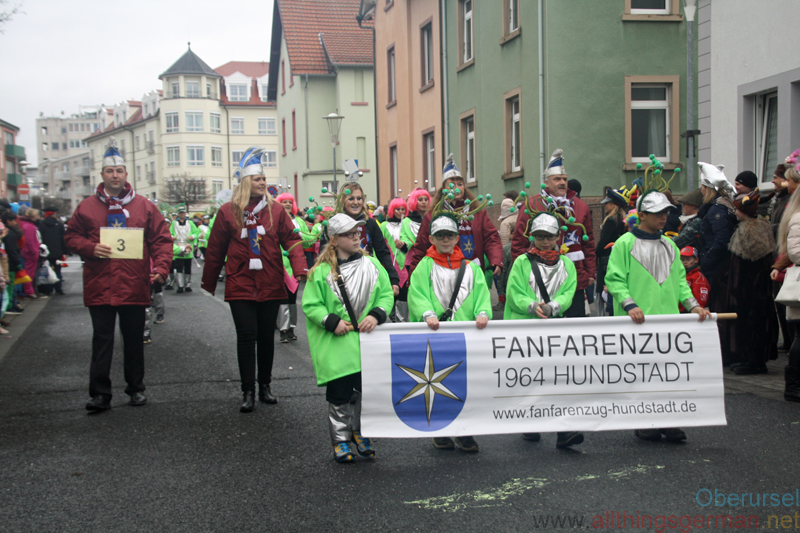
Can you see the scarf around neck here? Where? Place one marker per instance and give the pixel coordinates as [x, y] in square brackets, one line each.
[253, 230]
[116, 215]
[547, 257]
[452, 261]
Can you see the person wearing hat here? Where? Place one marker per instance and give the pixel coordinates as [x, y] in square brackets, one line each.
[435, 284]
[646, 277]
[114, 287]
[745, 182]
[581, 252]
[478, 238]
[202, 236]
[52, 231]
[689, 233]
[743, 286]
[718, 221]
[696, 280]
[248, 234]
[184, 234]
[525, 298]
[347, 294]
[616, 204]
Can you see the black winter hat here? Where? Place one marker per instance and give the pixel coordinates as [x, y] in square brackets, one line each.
[748, 179]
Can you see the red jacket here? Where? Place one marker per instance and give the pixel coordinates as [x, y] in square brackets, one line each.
[241, 283]
[487, 242]
[586, 266]
[119, 281]
[699, 285]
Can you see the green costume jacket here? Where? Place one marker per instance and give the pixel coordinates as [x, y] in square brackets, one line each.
[422, 297]
[338, 356]
[520, 295]
[650, 286]
[307, 237]
[177, 250]
[407, 235]
[399, 255]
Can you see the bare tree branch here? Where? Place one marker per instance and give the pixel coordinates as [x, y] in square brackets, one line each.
[7, 14]
[184, 189]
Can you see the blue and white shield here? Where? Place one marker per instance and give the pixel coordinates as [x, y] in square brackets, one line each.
[429, 379]
[467, 245]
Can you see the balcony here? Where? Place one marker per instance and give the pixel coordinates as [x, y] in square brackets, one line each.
[15, 179]
[15, 152]
[150, 146]
[64, 194]
[84, 190]
[81, 171]
[151, 177]
[63, 176]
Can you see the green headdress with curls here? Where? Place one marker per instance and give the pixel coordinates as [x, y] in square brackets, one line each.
[534, 206]
[653, 186]
[466, 213]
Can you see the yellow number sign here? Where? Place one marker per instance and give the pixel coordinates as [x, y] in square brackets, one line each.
[125, 243]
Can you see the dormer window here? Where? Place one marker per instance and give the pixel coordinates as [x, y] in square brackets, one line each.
[237, 92]
[176, 89]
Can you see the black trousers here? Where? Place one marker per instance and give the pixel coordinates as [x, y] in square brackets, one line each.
[131, 324]
[578, 307]
[182, 265]
[255, 340]
[340, 390]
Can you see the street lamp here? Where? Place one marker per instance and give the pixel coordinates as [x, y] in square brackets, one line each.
[334, 125]
[690, 9]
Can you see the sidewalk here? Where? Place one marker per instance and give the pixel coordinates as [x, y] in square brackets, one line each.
[19, 323]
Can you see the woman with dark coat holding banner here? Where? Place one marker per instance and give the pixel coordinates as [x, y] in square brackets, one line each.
[250, 231]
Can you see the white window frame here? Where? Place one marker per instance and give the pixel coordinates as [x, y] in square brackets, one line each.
[193, 84]
[393, 170]
[654, 104]
[215, 122]
[514, 135]
[513, 15]
[765, 168]
[216, 156]
[175, 85]
[427, 54]
[194, 150]
[392, 75]
[173, 118]
[469, 155]
[192, 119]
[238, 97]
[270, 159]
[430, 159]
[173, 151]
[468, 42]
[263, 126]
[216, 186]
[235, 131]
[234, 159]
[665, 11]
[136, 143]
[138, 174]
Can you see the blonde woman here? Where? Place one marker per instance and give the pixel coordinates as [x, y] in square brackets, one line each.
[250, 230]
[789, 244]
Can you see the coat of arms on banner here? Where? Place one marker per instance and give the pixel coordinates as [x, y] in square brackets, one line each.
[467, 244]
[429, 379]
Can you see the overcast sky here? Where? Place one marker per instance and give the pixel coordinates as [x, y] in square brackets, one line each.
[62, 53]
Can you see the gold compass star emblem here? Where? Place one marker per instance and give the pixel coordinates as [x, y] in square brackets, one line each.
[117, 224]
[468, 247]
[429, 383]
[255, 242]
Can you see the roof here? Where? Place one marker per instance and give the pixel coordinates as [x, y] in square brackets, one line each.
[189, 63]
[253, 69]
[9, 125]
[136, 118]
[304, 20]
[348, 50]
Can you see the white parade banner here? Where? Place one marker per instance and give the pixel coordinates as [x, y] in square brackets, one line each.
[524, 376]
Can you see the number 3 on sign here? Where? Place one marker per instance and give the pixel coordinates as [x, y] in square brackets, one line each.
[125, 243]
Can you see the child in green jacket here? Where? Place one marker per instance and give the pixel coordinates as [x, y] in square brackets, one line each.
[334, 322]
[431, 290]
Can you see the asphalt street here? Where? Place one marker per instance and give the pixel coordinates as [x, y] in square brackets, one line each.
[189, 461]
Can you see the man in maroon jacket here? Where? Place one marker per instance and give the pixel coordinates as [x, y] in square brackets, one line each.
[580, 252]
[121, 287]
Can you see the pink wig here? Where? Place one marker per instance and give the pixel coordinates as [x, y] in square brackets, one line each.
[287, 196]
[394, 204]
[412, 199]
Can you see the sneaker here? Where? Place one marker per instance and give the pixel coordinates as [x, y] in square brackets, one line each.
[147, 339]
[363, 445]
[188, 289]
[3, 331]
[180, 290]
[291, 335]
[674, 434]
[159, 320]
[443, 443]
[342, 452]
[569, 438]
[533, 437]
[14, 310]
[284, 337]
[467, 444]
[648, 434]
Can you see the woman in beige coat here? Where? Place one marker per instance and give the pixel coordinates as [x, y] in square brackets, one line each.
[789, 242]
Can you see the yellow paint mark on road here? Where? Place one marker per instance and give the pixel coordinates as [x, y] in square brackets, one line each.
[480, 498]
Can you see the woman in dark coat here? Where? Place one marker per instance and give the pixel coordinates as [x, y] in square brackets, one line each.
[250, 231]
[719, 221]
[744, 287]
[612, 228]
